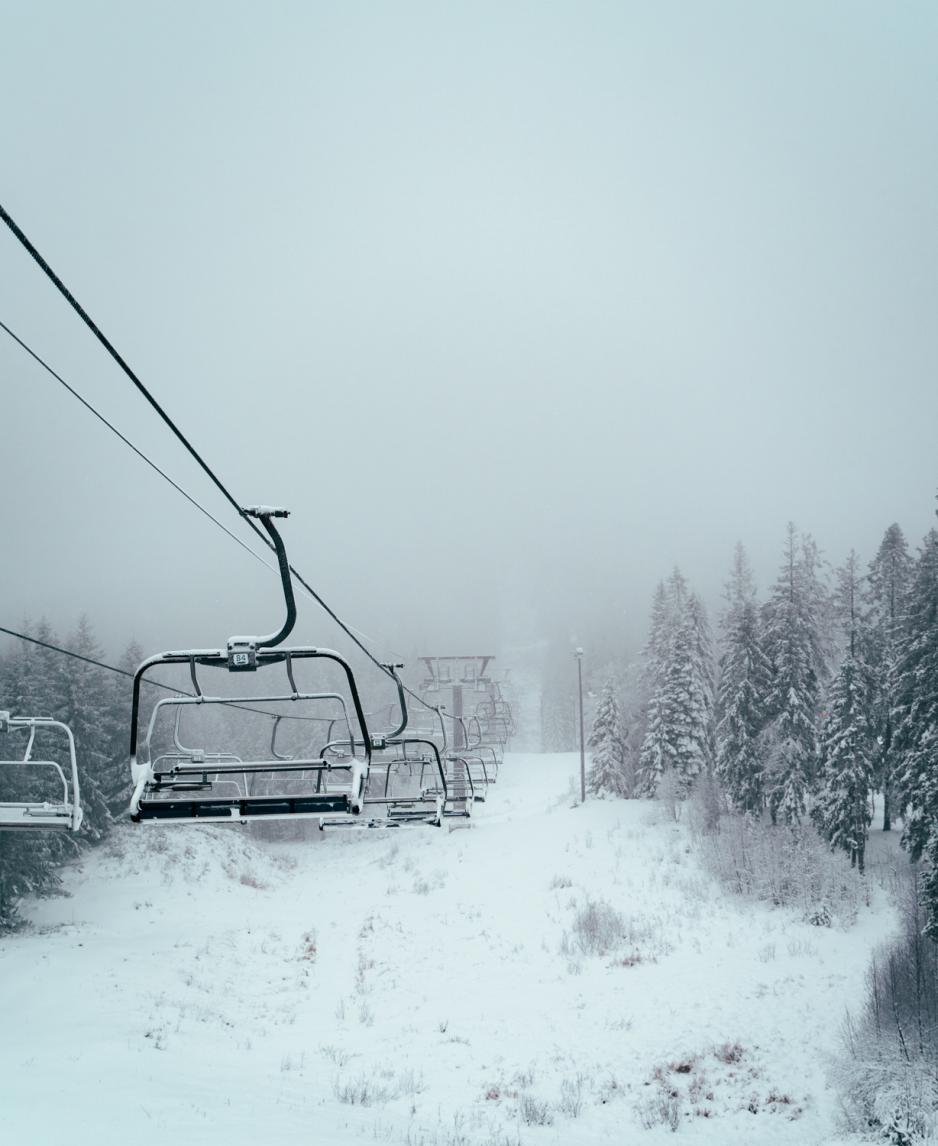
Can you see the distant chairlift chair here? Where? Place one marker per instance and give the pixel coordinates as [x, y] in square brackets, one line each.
[43, 810]
[412, 779]
[399, 790]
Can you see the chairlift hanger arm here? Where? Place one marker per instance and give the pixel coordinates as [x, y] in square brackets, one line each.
[402, 699]
[263, 514]
[440, 711]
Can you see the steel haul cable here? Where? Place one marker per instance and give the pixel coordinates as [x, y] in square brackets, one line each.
[127, 442]
[216, 481]
[154, 683]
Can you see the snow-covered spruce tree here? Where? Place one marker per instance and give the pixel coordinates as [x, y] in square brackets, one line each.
[652, 755]
[915, 719]
[744, 673]
[704, 674]
[842, 806]
[608, 774]
[87, 711]
[33, 686]
[663, 606]
[690, 692]
[679, 716]
[888, 579]
[37, 681]
[795, 643]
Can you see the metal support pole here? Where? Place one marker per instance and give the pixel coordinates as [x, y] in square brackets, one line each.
[458, 739]
[579, 669]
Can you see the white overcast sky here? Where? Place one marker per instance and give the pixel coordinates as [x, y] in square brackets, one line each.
[514, 305]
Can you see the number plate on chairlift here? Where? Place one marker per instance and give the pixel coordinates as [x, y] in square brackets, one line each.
[242, 658]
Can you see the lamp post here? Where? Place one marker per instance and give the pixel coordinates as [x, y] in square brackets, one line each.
[579, 671]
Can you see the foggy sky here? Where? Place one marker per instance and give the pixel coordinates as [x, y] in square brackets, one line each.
[516, 306]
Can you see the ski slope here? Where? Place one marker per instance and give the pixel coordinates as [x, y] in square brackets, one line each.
[422, 986]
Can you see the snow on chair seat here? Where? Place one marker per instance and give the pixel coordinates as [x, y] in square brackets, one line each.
[456, 788]
[478, 773]
[37, 784]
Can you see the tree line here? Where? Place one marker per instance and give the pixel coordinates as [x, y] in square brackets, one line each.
[95, 704]
[813, 699]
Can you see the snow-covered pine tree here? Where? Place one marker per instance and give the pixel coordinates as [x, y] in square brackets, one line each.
[842, 807]
[795, 643]
[608, 774]
[653, 751]
[888, 579]
[915, 719]
[664, 603]
[690, 685]
[744, 673]
[704, 675]
[678, 727]
[88, 713]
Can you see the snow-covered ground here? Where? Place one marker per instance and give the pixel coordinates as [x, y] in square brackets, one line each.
[422, 986]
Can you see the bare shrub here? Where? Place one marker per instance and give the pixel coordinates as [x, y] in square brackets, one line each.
[609, 1088]
[369, 1090]
[783, 865]
[249, 879]
[335, 1054]
[660, 1109]
[705, 806]
[571, 1096]
[888, 1067]
[535, 1111]
[362, 1090]
[729, 1053]
[801, 948]
[671, 792]
[599, 928]
[309, 949]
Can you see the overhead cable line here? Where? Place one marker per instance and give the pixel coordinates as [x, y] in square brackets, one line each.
[234, 537]
[216, 481]
[165, 417]
[140, 454]
[155, 683]
[109, 347]
[77, 656]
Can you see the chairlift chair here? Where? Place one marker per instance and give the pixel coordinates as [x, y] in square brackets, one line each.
[475, 742]
[496, 720]
[429, 794]
[53, 811]
[196, 786]
[464, 786]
